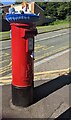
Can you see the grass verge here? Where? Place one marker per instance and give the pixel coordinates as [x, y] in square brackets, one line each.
[57, 25]
[53, 26]
[5, 35]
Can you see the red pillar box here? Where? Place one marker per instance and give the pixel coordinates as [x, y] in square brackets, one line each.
[22, 61]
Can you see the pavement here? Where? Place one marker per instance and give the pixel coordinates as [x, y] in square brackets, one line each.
[52, 28]
[52, 99]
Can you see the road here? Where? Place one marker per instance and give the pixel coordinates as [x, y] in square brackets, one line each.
[49, 44]
[46, 45]
[53, 96]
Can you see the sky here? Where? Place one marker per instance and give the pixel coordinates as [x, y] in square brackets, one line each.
[5, 2]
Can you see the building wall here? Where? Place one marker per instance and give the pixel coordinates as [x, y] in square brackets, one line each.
[5, 11]
[40, 11]
[18, 7]
[33, 7]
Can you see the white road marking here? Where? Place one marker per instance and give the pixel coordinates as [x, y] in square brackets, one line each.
[50, 58]
[5, 48]
[38, 39]
[51, 37]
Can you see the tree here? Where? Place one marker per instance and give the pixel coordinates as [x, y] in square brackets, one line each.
[63, 10]
[60, 10]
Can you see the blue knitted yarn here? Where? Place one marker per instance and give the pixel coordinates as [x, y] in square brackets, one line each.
[22, 18]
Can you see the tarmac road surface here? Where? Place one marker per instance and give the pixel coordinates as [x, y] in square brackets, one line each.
[46, 45]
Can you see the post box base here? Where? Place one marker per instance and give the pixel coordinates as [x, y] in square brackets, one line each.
[22, 96]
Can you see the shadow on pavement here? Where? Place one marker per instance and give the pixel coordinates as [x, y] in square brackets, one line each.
[40, 92]
[66, 115]
[49, 87]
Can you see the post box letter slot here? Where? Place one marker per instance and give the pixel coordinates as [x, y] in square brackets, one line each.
[30, 44]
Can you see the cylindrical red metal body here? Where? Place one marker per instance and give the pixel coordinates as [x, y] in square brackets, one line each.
[22, 63]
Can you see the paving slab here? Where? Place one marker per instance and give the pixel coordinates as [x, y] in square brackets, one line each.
[51, 99]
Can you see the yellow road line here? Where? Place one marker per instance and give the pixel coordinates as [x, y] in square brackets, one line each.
[38, 73]
[48, 48]
[41, 57]
[4, 61]
[5, 81]
[51, 53]
[50, 72]
[6, 77]
[4, 68]
[8, 70]
[38, 47]
[4, 54]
